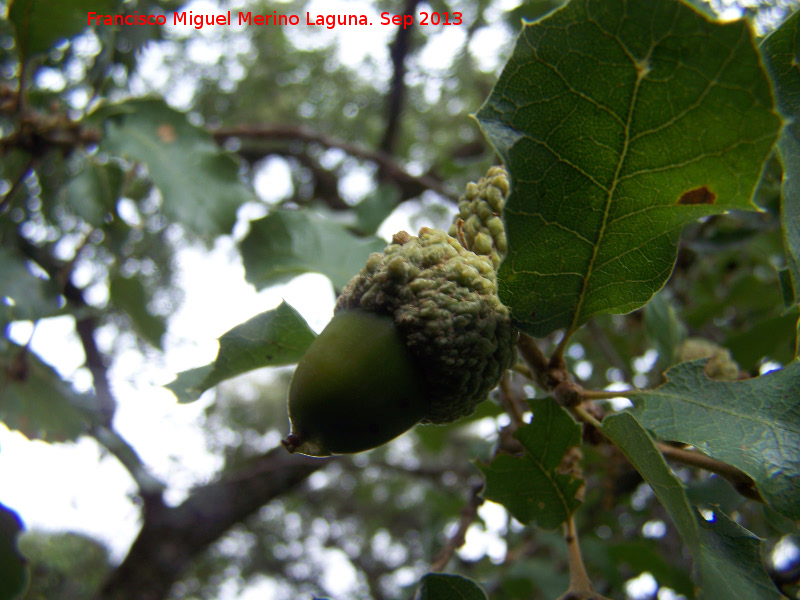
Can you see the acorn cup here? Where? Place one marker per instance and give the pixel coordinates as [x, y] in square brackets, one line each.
[418, 336]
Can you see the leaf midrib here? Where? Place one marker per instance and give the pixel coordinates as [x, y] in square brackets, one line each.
[576, 319]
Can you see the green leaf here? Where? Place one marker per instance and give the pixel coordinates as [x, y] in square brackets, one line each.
[273, 338]
[23, 295]
[532, 487]
[36, 401]
[780, 523]
[727, 561]
[752, 424]
[199, 182]
[786, 282]
[129, 295]
[782, 57]
[440, 586]
[373, 210]
[285, 244]
[624, 430]
[620, 122]
[93, 193]
[39, 24]
[773, 338]
[13, 572]
[64, 565]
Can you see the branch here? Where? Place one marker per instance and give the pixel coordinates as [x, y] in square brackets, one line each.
[585, 416]
[326, 182]
[535, 359]
[551, 375]
[389, 166]
[105, 403]
[150, 488]
[399, 50]
[604, 394]
[743, 483]
[171, 537]
[30, 165]
[38, 133]
[580, 586]
[578, 577]
[513, 405]
[468, 514]
[740, 480]
[86, 327]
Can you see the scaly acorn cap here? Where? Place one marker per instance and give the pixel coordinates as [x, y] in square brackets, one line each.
[720, 365]
[479, 223]
[443, 300]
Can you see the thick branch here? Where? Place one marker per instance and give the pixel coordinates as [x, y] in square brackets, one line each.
[171, 537]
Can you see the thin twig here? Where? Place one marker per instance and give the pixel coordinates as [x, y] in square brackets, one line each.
[468, 514]
[558, 353]
[535, 359]
[580, 586]
[585, 416]
[740, 480]
[149, 486]
[743, 483]
[578, 577]
[509, 401]
[523, 370]
[5, 203]
[603, 394]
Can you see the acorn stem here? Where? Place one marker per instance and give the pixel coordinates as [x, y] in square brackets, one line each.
[291, 442]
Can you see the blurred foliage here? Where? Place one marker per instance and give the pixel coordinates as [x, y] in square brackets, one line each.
[63, 565]
[89, 228]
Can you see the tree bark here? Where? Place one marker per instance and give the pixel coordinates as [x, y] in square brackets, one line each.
[172, 536]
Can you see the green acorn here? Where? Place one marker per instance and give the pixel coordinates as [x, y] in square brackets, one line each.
[419, 335]
[356, 387]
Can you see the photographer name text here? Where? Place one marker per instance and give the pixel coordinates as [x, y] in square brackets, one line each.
[198, 21]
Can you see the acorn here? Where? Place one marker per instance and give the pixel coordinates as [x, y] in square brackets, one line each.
[720, 366]
[355, 388]
[418, 336]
